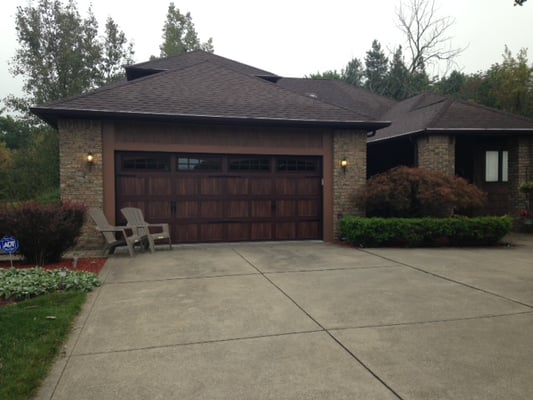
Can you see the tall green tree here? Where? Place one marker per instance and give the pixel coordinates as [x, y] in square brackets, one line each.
[328, 75]
[116, 52]
[60, 53]
[376, 69]
[397, 81]
[354, 73]
[179, 34]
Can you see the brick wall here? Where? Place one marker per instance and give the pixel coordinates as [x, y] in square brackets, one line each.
[351, 146]
[78, 181]
[520, 171]
[436, 153]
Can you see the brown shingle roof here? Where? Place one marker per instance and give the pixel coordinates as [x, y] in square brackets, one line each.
[204, 91]
[341, 94]
[188, 59]
[431, 112]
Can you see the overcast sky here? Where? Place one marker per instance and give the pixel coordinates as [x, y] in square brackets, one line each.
[296, 38]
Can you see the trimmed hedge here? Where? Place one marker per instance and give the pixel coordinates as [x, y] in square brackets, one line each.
[424, 232]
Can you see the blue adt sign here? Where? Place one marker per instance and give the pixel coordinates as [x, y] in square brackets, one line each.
[9, 245]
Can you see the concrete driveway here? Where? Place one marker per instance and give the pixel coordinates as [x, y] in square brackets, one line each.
[305, 321]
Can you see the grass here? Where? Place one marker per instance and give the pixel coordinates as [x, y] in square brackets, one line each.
[31, 335]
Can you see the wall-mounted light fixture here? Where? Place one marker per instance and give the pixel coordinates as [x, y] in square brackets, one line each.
[344, 164]
[90, 159]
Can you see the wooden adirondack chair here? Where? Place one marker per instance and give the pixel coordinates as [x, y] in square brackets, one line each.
[135, 219]
[126, 236]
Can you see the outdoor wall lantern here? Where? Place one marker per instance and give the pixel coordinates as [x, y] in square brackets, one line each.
[90, 159]
[344, 164]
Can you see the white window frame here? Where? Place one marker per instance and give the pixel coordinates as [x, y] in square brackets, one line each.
[496, 166]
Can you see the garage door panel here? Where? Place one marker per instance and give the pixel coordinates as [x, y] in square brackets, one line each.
[286, 208]
[308, 229]
[261, 208]
[308, 208]
[212, 209]
[261, 231]
[285, 186]
[260, 198]
[237, 209]
[212, 232]
[186, 233]
[237, 232]
[211, 186]
[131, 185]
[187, 209]
[309, 186]
[237, 186]
[157, 211]
[160, 186]
[261, 186]
[285, 230]
[186, 186]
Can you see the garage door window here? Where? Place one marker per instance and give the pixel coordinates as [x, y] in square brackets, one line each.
[198, 163]
[146, 163]
[295, 164]
[250, 164]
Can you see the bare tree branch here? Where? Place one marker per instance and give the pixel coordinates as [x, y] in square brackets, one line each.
[427, 34]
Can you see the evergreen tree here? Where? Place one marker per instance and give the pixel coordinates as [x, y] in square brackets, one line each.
[353, 73]
[179, 34]
[376, 68]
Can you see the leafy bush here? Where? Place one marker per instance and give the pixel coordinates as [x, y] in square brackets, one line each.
[25, 283]
[419, 232]
[44, 232]
[413, 193]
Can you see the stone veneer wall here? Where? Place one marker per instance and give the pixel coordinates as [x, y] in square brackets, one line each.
[437, 153]
[78, 181]
[351, 146]
[520, 171]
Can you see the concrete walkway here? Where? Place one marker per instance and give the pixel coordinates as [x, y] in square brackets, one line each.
[305, 321]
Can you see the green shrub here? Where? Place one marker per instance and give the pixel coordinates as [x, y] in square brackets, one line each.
[44, 232]
[414, 193]
[20, 284]
[419, 232]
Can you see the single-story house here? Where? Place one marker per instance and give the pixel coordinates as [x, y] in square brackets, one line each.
[223, 151]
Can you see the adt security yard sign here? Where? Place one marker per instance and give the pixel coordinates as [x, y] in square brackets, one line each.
[9, 245]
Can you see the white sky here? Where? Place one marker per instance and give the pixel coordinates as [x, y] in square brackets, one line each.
[298, 37]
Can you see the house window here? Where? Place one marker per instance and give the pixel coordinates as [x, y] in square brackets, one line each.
[256, 164]
[496, 166]
[146, 163]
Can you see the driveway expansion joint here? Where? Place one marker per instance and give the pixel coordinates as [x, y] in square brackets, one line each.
[332, 337]
[419, 269]
[437, 321]
[183, 278]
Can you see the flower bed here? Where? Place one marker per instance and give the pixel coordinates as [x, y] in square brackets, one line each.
[93, 265]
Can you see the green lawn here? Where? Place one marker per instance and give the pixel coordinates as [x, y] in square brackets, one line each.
[31, 335]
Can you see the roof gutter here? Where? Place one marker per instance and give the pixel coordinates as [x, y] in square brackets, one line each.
[456, 131]
[51, 116]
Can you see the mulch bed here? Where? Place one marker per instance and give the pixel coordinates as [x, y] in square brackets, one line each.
[94, 265]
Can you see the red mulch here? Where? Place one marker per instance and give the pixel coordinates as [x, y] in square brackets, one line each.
[84, 264]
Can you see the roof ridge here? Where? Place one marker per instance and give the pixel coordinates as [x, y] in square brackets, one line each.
[325, 102]
[446, 106]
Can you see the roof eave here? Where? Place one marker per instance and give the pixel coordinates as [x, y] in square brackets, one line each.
[455, 131]
[51, 116]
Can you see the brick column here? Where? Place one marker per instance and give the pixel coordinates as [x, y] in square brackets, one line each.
[520, 171]
[436, 153]
[80, 182]
[349, 145]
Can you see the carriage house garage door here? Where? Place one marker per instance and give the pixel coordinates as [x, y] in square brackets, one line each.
[215, 198]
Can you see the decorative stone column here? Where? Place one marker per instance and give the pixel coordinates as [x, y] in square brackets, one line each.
[349, 146]
[436, 153]
[80, 181]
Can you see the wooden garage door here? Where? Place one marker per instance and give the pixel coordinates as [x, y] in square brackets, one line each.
[216, 198]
